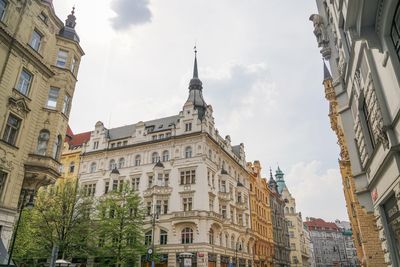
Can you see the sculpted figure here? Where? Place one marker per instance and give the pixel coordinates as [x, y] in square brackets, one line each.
[319, 30]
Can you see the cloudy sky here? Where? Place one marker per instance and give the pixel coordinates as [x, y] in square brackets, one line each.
[260, 67]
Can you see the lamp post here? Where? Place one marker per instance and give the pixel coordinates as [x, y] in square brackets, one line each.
[23, 204]
[238, 248]
[153, 224]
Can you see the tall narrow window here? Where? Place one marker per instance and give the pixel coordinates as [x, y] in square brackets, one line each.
[3, 7]
[165, 207]
[52, 98]
[93, 166]
[62, 57]
[43, 141]
[395, 31]
[24, 82]
[188, 152]
[135, 183]
[368, 124]
[163, 237]
[188, 127]
[112, 165]
[211, 237]
[12, 128]
[95, 144]
[72, 167]
[73, 64]
[66, 104]
[187, 204]
[36, 40]
[57, 147]
[154, 157]
[165, 155]
[3, 177]
[137, 160]
[121, 163]
[148, 238]
[187, 235]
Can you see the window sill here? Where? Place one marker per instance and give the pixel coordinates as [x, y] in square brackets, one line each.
[8, 144]
[36, 52]
[50, 109]
[17, 92]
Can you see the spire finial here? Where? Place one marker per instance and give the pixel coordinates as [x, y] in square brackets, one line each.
[73, 10]
[195, 72]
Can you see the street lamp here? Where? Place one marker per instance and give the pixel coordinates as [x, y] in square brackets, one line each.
[238, 248]
[24, 204]
[154, 217]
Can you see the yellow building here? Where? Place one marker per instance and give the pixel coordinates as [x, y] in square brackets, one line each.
[261, 223]
[71, 154]
[365, 232]
[39, 62]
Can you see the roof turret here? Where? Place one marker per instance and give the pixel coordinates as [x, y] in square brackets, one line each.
[68, 31]
[279, 180]
[272, 183]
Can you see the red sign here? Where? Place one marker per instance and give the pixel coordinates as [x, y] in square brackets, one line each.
[200, 254]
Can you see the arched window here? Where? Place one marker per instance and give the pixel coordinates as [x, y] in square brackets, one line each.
[121, 163]
[163, 237]
[188, 152]
[72, 167]
[232, 242]
[148, 238]
[43, 141]
[165, 155]
[137, 160]
[287, 210]
[155, 157]
[57, 147]
[187, 236]
[291, 210]
[112, 165]
[211, 237]
[93, 167]
[220, 239]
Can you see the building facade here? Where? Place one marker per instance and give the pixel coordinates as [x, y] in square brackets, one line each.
[329, 243]
[39, 62]
[192, 179]
[261, 222]
[279, 226]
[360, 41]
[351, 251]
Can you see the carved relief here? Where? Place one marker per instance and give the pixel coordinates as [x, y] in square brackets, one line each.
[18, 106]
[321, 35]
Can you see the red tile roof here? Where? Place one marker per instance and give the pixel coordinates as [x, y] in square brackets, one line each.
[76, 140]
[320, 224]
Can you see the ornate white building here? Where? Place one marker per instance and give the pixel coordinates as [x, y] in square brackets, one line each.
[194, 179]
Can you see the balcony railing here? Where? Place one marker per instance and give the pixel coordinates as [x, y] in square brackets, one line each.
[224, 196]
[157, 190]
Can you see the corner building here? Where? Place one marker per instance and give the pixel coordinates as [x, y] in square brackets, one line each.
[195, 180]
[39, 62]
[361, 42]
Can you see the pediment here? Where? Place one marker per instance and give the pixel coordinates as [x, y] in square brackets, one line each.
[18, 105]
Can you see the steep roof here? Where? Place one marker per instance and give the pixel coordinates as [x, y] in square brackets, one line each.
[236, 150]
[321, 225]
[78, 140]
[158, 125]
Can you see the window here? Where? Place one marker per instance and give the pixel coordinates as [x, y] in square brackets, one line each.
[188, 127]
[210, 154]
[72, 167]
[150, 181]
[36, 39]
[211, 204]
[154, 157]
[118, 184]
[148, 208]
[188, 177]
[163, 237]
[73, 64]
[148, 238]
[188, 152]
[135, 183]
[395, 31]
[161, 136]
[121, 163]
[167, 135]
[165, 207]
[165, 156]
[43, 17]
[125, 143]
[367, 121]
[158, 207]
[154, 137]
[211, 237]
[43, 141]
[187, 236]
[66, 104]
[106, 187]
[89, 190]
[57, 147]
[223, 186]
[232, 242]
[112, 165]
[62, 57]
[137, 160]
[24, 82]
[95, 144]
[187, 204]
[3, 7]
[93, 166]
[3, 178]
[52, 98]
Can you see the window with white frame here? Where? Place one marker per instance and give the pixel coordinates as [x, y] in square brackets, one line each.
[187, 236]
[187, 203]
[89, 190]
[52, 98]
[137, 160]
[165, 206]
[112, 165]
[150, 181]
[106, 187]
[155, 157]
[163, 237]
[66, 104]
[36, 40]
[73, 64]
[3, 9]
[188, 127]
[188, 152]
[62, 57]
[3, 178]
[57, 147]
[24, 82]
[95, 144]
[148, 238]
[121, 163]
[165, 155]
[43, 141]
[158, 206]
[211, 237]
[188, 177]
[118, 184]
[93, 166]
[135, 183]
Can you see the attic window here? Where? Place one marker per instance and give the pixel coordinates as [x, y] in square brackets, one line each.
[150, 129]
[170, 125]
[43, 17]
[159, 127]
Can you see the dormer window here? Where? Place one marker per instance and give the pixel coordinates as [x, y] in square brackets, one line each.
[188, 127]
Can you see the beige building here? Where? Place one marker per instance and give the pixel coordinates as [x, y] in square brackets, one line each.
[39, 61]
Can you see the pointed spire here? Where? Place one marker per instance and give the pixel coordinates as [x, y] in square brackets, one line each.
[195, 72]
[327, 74]
[71, 20]
[280, 181]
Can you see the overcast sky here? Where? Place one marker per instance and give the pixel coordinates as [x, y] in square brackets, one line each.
[261, 72]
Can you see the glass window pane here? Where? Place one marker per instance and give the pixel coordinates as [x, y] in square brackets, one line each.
[53, 96]
[35, 40]
[3, 6]
[62, 58]
[24, 82]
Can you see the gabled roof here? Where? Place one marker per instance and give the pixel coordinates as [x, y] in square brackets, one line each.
[78, 140]
[320, 224]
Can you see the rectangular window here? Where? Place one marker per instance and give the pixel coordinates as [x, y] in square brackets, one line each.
[395, 31]
[3, 177]
[148, 208]
[135, 184]
[154, 137]
[223, 211]
[66, 104]
[150, 181]
[3, 7]
[188, 177]
[62, 57]
[43, 17]
[187, 204]
[106, 187]
[36, 39]
[89, 190]
[24, 82]
[167, 135]
[211, 204]
[188, 127]
[163, 237]
[12, 129]
[73, 64]
[369, 132]
[165, 207]
[158, 207]
[96, 145]
[53, 97]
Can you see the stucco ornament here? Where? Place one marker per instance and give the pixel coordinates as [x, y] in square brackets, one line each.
[342, 64]
[320, 30]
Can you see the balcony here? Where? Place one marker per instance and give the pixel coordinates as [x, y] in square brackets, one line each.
[185, 214]
[40, 171]
[224, 196]
[157, 190]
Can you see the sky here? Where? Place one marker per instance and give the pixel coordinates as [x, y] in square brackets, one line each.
[261, 72]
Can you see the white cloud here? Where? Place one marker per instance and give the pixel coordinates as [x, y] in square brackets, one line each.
[130, 12]
[318, 192]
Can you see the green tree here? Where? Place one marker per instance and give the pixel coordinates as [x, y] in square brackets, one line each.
[60, 218]
[120, 227]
